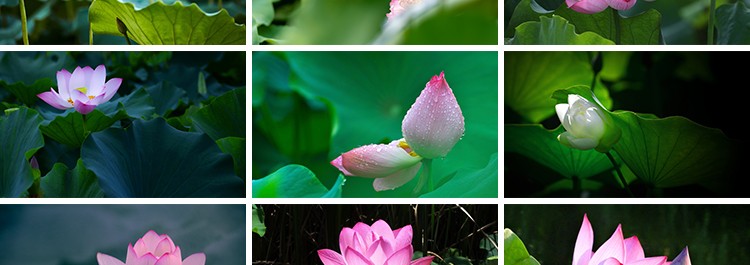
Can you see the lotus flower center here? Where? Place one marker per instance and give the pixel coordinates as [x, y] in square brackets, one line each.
[406, 147]
[71, 101]
[82, 89]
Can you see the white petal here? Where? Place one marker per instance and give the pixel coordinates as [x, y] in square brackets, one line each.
[583, 143]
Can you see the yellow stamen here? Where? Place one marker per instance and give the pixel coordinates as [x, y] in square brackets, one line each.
[71, 101]
[405, 146]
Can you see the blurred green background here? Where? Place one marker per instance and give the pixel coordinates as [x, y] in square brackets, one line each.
[294, 233]
[362, 22]
[309, 107]
[704, 87]
[714, 234]
[73, 234]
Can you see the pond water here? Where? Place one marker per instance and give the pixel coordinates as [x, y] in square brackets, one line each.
[73, 234]
[714, 234]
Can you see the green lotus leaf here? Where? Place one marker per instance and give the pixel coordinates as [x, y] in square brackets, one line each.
[236, 147]
[733, 24]
[20, 140]
[674, 151]
[295, 181]
[515, 252]
[152, 159]
[484, 183]
[77, 183]
[555, 31]
[160, 23]
[224, 117]
[67, 128]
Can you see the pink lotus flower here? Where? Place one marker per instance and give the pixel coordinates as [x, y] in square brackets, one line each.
[596, 6]
[399, 6]
[153, 249]
[83, 90]
[434, 123]
[373, 245]
[392, 165]
[616, 250]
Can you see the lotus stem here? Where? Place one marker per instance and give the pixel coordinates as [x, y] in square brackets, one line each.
[711, 18]
[24, 29]
[219, 5]
[619, 173]
[424, 179]
[84, 124]
[616, 19]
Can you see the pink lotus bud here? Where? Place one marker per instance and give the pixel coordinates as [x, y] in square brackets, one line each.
[155, 249]
[621, 4]
[399, 6]
[392, 165]
[587, 6]
[434, 123]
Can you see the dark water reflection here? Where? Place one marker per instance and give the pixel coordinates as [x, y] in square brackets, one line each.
[714, 234]
[73, 234]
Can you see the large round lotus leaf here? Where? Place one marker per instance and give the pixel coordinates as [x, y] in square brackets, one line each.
[20, 140]
[152, 159]
[160, 23]
[371, 92]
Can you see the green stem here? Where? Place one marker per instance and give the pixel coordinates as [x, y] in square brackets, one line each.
[85, 130]
[619, 173]
[424, 179]
[711, 18]
[616, 19]
[24, 30]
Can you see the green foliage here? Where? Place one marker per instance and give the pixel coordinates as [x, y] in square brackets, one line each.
[20, 140]
[295, 181]
[77, 183]
[515, 252]
[159, 23]
[733, 24]
[552, 31]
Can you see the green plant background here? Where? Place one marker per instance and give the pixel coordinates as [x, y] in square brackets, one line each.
[309, 107]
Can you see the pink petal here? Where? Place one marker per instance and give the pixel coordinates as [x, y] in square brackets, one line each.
[365, 233]
[633, 250]
[397, 179]
[650, 261]
[54, 100]
[63, 79]
[353, 257]
[403, 237]
[77, 79]
[96, 83]
[110, 88]
[683, 258]
[422, 261]
[587, 6]
[382, 228]
[337, 163]
[169, 259]
[330, 257]
[621, 4]
[132, 255]
[104, 259]
[609, 261]
[434, 123]
[401, 257]
[614, 248]
[396, 10]
[377, 160]
[162, 248]
[147, 259]
[84, 108]
[195, 259]
[377, 251]
[585, 241]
